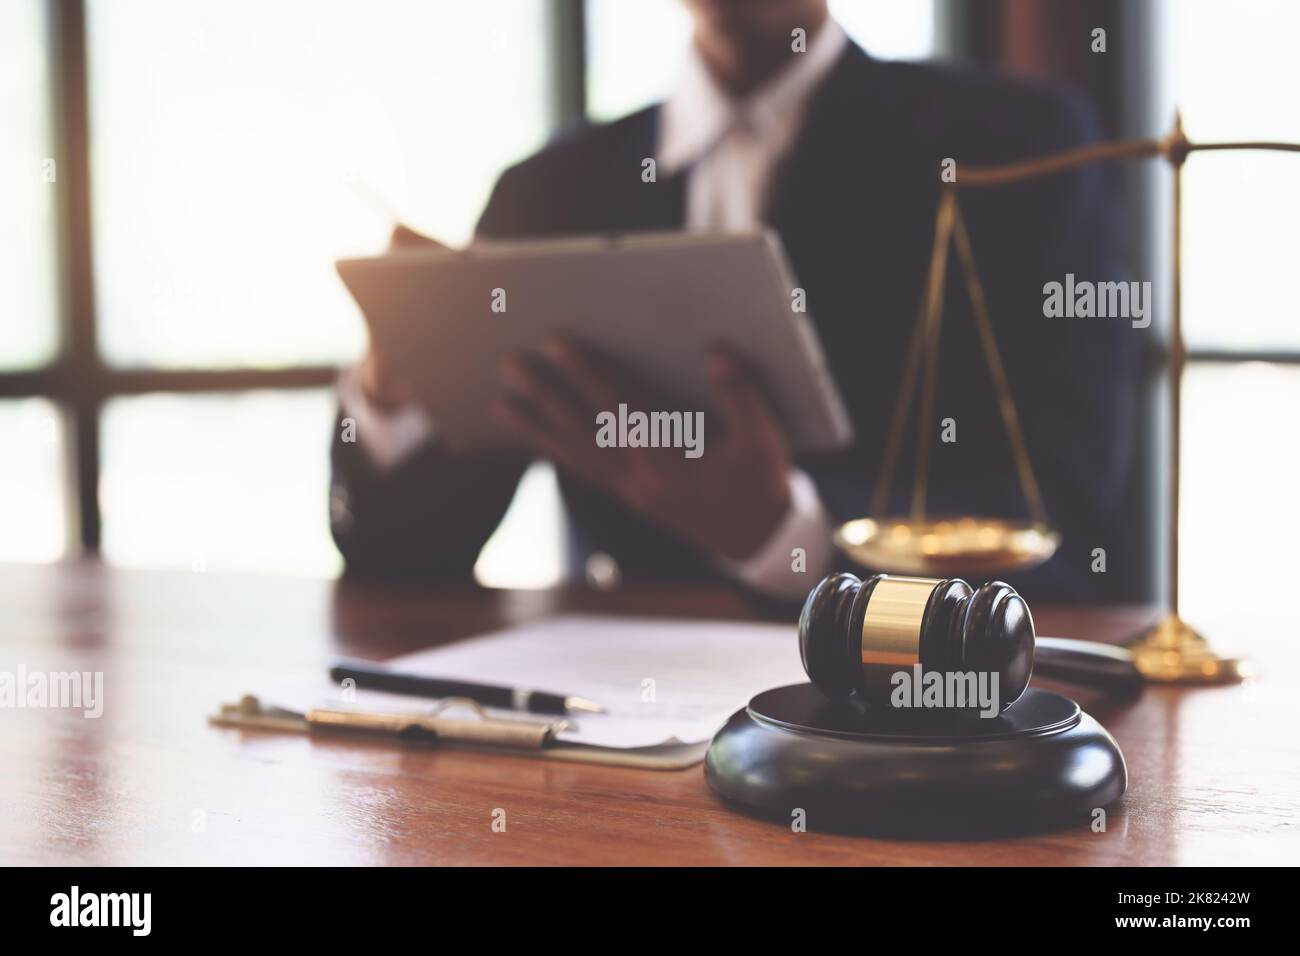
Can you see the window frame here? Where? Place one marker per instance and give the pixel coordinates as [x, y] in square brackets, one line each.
[76, 378]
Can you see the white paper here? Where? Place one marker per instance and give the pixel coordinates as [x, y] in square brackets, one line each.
[662, 680]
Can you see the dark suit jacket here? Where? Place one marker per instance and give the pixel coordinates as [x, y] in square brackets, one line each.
[854, 204]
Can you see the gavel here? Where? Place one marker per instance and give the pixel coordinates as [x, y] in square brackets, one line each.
[855, 635]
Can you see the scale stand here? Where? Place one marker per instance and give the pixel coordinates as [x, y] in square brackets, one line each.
[1041, 764]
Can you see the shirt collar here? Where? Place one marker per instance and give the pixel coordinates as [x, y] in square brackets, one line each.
[699, 112]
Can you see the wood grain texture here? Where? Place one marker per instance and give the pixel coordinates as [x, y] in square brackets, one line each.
[1213, 772]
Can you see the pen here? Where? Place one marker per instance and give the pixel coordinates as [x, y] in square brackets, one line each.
[417, 685]
[1085, 662]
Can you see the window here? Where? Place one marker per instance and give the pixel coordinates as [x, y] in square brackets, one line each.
[1241, 237]
[28, 184]
[240, 147]
[230, 152]
[1241, 466]
[1241, 240]
[33, 513]
[219, 480]
[33, 520]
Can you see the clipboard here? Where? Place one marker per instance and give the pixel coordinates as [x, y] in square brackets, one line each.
[479, 731]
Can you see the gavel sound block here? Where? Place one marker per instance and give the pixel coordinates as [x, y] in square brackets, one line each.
[859, 749]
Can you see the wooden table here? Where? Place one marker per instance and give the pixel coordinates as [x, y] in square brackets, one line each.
[1213, 772]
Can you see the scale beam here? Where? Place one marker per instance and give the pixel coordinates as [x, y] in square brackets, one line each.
[1171, 651]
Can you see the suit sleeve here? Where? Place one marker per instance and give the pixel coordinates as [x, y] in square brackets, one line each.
[428, 515]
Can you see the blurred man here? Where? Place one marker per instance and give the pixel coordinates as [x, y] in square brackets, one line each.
[841, 155]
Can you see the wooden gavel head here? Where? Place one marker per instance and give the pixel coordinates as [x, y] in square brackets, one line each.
[855, 635]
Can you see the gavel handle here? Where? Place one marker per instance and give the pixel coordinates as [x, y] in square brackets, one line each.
[1085, 662]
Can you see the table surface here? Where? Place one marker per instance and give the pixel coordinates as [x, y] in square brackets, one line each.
[1213, 772]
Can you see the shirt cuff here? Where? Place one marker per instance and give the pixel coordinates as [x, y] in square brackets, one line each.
[798, 552]
[387, 437]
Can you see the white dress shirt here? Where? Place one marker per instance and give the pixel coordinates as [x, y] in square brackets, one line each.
[730, 149]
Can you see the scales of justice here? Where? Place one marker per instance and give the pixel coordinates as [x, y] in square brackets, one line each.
[919, 544]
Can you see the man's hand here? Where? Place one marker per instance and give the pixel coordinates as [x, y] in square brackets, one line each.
[728, 501]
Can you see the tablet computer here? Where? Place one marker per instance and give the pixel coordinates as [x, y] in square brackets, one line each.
[443, 319]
